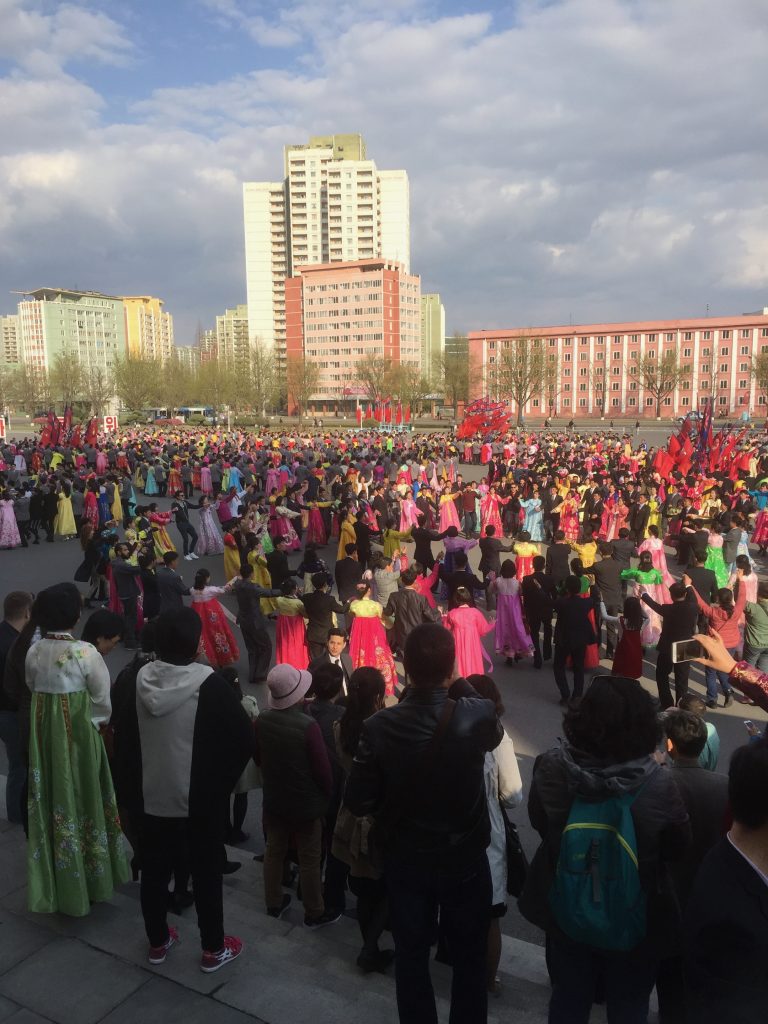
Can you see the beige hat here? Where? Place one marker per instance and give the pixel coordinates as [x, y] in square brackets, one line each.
[287, 686]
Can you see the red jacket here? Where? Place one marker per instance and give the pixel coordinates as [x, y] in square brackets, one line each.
[723, 622]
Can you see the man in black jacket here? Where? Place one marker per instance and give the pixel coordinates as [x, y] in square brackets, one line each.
[726, 923]
[639, 515]
[252, 623]
[335, 653]
[607, 574]
[419, 772]
[348, 572]
[320, 606]
[704, 582]
[186, 707]
[171, 587]
[678, 623]
[558, 558]
[126, 578]
[423, 539]
[490, 549]
[363, 538]
[409, 609]
[180, 509]
[462, 576]
[538, 595]
[573, 634]
[277, 563]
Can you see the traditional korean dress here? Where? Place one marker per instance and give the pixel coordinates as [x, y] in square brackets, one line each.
[75, 849]
[209, 540]
[368, 641]
[218, 641]
[525, 552]
[715, 560]
[290, 633]
[651, 583]
[656, 548]
[512, 637]
[534, 518]
[468, 626]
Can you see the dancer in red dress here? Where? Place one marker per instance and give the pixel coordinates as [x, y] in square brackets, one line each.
[290, 628]
[217, 640]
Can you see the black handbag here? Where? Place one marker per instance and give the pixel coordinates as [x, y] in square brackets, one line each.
[517, 862]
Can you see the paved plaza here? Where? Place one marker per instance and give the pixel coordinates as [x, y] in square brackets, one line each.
[94, 969]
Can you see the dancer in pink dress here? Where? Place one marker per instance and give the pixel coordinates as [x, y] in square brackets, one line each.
[468, 626]
[448, 514]
[290, 629]
[409, 514]
[367, 639]
[9, 530]
[512, 638]
[490, 511]
[658, 555]
[569, 517]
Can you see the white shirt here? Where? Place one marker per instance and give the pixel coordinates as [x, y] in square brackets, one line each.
[65, 665]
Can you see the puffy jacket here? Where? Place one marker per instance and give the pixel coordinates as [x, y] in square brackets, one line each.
[662, 829]
[443, 822]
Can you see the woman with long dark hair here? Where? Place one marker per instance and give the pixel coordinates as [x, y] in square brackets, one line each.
[351, 838]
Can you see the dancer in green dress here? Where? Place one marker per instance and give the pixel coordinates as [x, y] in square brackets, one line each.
[75, 851]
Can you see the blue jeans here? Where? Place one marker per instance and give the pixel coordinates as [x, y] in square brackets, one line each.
[17, 769]
[712, 678]
[627, 980]
[757, 656]
[463, 900]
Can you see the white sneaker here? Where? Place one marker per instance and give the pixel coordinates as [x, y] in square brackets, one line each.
[193, 555]
[187, 558]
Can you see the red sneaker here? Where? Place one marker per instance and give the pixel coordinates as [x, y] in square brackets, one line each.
[231, 949]
[157, 954]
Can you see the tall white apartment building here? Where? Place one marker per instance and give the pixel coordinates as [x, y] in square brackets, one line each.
[333, 205]
[10, 351]
[60, 320]
[232, 340]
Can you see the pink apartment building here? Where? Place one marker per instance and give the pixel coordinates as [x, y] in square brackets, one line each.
[338, 313]
[719, 350]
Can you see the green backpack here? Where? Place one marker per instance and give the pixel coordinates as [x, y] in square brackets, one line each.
[596, 896]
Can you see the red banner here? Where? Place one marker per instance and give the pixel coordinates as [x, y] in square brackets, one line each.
[359, 415]
[407, 414]
[399, 414]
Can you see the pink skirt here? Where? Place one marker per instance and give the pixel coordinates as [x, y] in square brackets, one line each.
[511, 635]
[368, 646]
[291, 641]
[316, 528]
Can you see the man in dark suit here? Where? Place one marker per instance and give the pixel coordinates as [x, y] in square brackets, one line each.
[320, 606]
[678, 622]
[379, 506]
[726, 922]
[538, 593]
[363, 538]
[462, 576]
[691, 541]
[490, 549]
[423, 539]
[409, 609]
[705, 795]
[550, 507]
[704, 582]
[171, 587]
[731, 543]
[348, 573]
[607, 574]
[335, 653]
[558, 558]
[253, 625]
[126, 577]
[573, 633]
[623, 549]
[639, 515]
[277, 563]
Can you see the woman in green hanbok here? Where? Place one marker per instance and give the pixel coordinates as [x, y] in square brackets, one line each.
[75, 848]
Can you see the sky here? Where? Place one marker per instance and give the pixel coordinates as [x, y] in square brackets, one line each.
[570, 161]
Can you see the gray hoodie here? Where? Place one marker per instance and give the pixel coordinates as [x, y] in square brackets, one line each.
[166, 707]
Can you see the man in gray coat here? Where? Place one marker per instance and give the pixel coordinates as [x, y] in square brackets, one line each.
[170, 585]
[409, 609]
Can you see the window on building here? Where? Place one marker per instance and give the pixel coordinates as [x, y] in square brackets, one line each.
[669, 336]
[667, 401]
[566, 401]
[582, 402]
[764, 332]
[743, 367]
[582, 387]
[649, 401]
[617, 355]
[707, 335]
[616, 371]
[744, 350]
[616, 386]
[567, 357]
[535, 403]
[552, 342]
[631, 400]
[601, 339]
[723, 367]
[688, 336]
[723, 385]
[617, 339]
[634, 337]
[724, 350]
[746, 332]
[686, 353]
[583, 371]
[685, 401]
[743, 384]
[722, 400]
[725, 334]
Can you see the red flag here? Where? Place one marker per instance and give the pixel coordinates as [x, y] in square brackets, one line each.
[389, 412]
[399, 413]
[407, 414]
[359, 415]
[369, 413]
[46, 434]
[674, 445]
[75, 439]
[67, 425]
[377, 411]
[686, 451]
[92, 431]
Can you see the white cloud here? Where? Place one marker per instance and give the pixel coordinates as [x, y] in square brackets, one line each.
[43, 42]
[598, 159]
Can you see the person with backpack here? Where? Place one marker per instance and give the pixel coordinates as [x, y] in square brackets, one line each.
[610, 819]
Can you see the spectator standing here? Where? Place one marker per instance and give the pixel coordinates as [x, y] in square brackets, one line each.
[678, 622]
[17, 609]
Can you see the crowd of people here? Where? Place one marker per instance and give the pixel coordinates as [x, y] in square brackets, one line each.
[377, 743]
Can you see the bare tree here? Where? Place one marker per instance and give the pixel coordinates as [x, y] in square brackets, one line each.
[31, 388]
[759, 370]
[454, 368]
[99, 389]
[598, 375]
[138, 382]
[302, 379]
[660, 376]
[373, 375]
[520, 371]
[67, 378]
[553, 382]
[410, 386]
[6, 389]
[264, 377]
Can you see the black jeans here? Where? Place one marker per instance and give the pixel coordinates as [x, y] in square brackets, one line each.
[372, 910]
[611, 633]
[463, 900]
[576, 971]
[164, 843]
[470, 523]
[130, 614]
[664, 666]
[188, 536]
[259, 647]
[562, 652]
[188, 489]
[535, 625]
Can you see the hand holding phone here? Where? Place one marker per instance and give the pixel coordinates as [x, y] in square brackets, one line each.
[686, 650]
